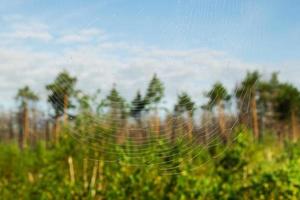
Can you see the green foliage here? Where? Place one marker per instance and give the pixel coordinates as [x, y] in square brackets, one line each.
[117, 104]
[216, 95]
[26, 95]
[249, 84]
[87, 162]
[239, 170]
[155, 91]
[137, 106]
[185, 104]
[288, 100]
[267, 94]
[62, 86]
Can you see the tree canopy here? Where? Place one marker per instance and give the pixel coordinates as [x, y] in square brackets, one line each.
[184, 104]
[288, 100]
[137, 105]
[217, 95]
[155, 91]
[63, 86]
[26, 95]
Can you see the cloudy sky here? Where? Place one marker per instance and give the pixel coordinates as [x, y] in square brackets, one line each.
[189, 43]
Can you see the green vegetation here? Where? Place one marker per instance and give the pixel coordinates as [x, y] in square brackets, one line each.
[103, 147]
[243, 170]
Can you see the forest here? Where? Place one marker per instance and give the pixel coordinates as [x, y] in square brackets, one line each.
[237, 145]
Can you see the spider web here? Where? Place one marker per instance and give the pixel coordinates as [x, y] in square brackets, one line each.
[161, 139]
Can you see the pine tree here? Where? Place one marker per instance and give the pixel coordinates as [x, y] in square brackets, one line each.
[137, 107]
[118, 112]
[117, 104]
[288, 106]
[218, 95]
[154, 94]
[25, 96]
[61, 91]
[248, 88]
[186, 105]
[267, 93]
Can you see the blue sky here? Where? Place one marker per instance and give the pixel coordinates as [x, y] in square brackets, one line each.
[127, 40]
[251, 29]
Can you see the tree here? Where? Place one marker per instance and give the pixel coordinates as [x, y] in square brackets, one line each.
[288, 106]
[218, 95]
[154, 94]
[248, 88]
[61, 90]
[137, 107]
[25, 96]
[204, 121]
[84, 102]
[118, 112]
[267, 93]
[116, 104]
[186, 105]
[89, 103]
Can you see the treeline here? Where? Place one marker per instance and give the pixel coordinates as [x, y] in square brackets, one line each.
[264, 105]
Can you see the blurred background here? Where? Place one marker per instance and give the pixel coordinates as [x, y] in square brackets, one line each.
[149, 100]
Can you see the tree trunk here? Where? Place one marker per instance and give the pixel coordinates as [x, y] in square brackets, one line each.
[174, 128]
[113, 118]
[20, 126]
[11, 127]
[157, 122]
[141, 129]
[254, 118]
[65, 115]
[139, 122]
[122, 131]
[222, 122]
[190, 126]
[34, 131]
[205, 119]
[47, 132]
[280, 131]
[243, 107]
[205, 135]
[56, 130]
[294, 125]
[25, 123]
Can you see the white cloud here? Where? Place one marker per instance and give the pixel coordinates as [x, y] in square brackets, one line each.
[192, 70]
[99, 62]
[82, 36]
[30, 34]
[20, 29]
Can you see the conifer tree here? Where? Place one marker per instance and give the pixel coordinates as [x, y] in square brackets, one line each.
[218, 95]
[186, 105]
[137, 107]
[60, 93]
[25, 96]
[288, 106]
[248, 88]
[154, 94]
